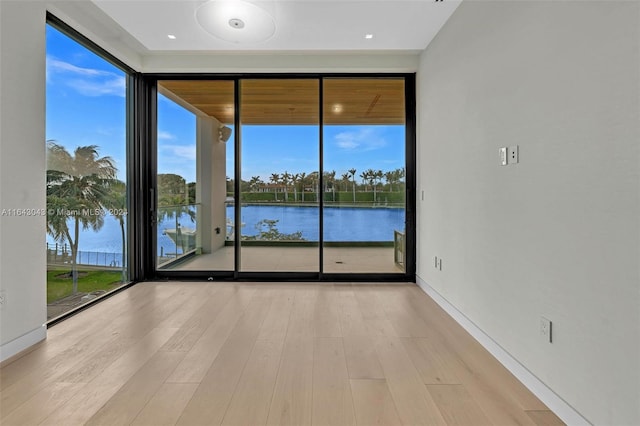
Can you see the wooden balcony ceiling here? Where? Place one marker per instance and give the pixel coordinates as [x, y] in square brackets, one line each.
[295, 101]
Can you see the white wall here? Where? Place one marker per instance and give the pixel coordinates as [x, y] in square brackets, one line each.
[289, 62]
[22, 175]
[557, 235]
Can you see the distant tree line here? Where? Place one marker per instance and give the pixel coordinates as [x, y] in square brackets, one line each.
[294, 186]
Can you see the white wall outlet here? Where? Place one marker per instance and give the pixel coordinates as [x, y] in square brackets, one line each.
[513, 155]
[3, 297]
[503, 156]
[546, 329]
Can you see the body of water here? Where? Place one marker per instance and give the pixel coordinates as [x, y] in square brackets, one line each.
[340, 224]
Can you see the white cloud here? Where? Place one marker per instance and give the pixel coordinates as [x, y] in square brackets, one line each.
[86, 81]
[179, 152]
[362, 139]
[116, 86]
[165, 135]
[56, 65]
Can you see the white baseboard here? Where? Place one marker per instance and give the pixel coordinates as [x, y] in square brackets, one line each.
[22, 343]
[556, 404]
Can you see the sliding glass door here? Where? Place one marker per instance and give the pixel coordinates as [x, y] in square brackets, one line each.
[195, 163]
[270, 175]
[364, 171]
[279, 199]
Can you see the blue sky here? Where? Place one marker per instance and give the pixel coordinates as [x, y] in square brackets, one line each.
[86, 102]
[86, 105]
[275, 149]
[278, 148]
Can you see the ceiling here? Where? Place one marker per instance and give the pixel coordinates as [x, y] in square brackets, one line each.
[294, 101]
[313, 28]
[301, 25]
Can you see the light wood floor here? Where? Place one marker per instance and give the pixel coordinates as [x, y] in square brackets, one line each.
[255, 354]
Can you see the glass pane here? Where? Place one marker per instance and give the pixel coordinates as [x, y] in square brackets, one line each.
[280, 146]
[195, 175]
[364, 190]
[86, 125]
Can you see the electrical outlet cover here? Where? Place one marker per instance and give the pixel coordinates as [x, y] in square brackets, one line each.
[546, 329]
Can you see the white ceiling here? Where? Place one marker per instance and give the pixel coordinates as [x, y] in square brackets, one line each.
[301, 25]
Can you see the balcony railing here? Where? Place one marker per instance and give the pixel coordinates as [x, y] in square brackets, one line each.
[177, 231]
[60, 254]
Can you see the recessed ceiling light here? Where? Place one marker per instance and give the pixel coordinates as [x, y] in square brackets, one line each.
[337, 108]
[171, 36]
[368, 36]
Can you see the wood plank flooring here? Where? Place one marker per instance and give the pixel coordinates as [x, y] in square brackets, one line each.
[263, 353]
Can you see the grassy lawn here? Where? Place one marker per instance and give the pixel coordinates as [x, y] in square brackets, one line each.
[89, 280]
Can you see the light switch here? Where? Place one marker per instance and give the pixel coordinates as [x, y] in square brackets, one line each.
[503, 156]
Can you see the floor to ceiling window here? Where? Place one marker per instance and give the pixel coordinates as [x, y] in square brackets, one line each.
[177, 208]
[195, 163]
[320, 168]
[280, 160]
[86, 143]
[364, 171]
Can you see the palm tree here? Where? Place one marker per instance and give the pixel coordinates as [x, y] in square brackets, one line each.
[369, 176]
[254, 183]
[116, 202]
[294, 180]
[286, 178]
[400, 174]
[353, 176]
[377, 176]
[77, 188]
[345, 179]
[275, 178]
[328, 182]
[303, 181]
[390, 177]
[366, 178]
[314, 177]
[332, 181]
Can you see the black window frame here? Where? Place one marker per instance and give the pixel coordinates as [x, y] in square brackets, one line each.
[141, 166]
[133, 154]
[409, 275]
